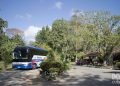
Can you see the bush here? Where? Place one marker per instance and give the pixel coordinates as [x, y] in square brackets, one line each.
[66, 65]
[118, 65]
[45, 66]
[53, 68]
[51, 56]
[53, 73]
[55, 64]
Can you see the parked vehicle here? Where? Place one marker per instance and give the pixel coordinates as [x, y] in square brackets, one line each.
[28, 57]
[79, 62]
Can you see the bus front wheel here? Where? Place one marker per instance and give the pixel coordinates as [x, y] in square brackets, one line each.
[34, 66]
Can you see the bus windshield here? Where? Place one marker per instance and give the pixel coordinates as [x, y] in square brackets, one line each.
[20, 54]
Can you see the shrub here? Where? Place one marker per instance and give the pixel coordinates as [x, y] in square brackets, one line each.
[53, 68]
[51, 56]
[65, 66]
[118, 64]
[53, 73]
[56, 64]
[45, 66]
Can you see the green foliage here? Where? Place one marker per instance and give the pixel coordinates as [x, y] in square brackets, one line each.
[43, 35]
[118, 65]
[53, 73]
[51, 55]
[45, 66]
[66, 66]
[100, 60]
[7, 45]
[96, 31]
[51, 69]
[3, 24]
[56, 64]
[18, 40]
[41, 45]
[58, 35]
[80, 55]
[54, 70]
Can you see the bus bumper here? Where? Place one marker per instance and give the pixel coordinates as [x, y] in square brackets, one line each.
[21, 66]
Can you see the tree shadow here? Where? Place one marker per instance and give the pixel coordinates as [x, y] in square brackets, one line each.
[112, 72]
[63, 80]
[12, 78]
[86, 80]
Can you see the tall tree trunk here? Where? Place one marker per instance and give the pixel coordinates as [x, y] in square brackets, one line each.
[3, 63]
[3, 66]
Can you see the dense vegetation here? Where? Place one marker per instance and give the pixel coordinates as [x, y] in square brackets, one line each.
[70, 39]
[85, 32]
[7, 45]
[52, 66]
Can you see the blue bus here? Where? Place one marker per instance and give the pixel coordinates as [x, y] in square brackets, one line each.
[28, 57]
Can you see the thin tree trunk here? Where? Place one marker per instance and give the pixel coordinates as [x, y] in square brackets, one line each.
[3, 66]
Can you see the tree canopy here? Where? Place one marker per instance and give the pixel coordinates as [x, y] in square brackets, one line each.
[7, 44]
[96, 31]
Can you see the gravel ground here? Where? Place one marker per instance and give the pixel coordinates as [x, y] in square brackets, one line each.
[18, 77]
[83, 76]
[76, 76]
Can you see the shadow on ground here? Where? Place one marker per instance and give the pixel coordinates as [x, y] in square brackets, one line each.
[12, 78]
[87, 79]
[66, 80]
[112, 72]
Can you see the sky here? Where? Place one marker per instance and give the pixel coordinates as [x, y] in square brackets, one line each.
[31, 15]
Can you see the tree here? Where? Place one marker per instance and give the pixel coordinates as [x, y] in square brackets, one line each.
[6, 53]
[7, 45]
[3, 38]
[3, 24]
[43, 35]
[96, 31]
[17, 39]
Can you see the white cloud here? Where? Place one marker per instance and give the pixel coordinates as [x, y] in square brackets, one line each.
[25, 16]
[58, 5]
[72, 12]
[30, 33]
[76, 12]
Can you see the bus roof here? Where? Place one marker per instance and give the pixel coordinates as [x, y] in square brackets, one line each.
[32, 47]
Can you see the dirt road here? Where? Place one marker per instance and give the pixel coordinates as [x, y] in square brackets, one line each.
[83, 76]
[18, 77]
[76, 76]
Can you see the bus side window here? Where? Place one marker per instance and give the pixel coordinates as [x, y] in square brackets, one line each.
[28, 50]
[36, 57]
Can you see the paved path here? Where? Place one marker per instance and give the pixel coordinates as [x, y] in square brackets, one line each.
[18, 77]
[76, 76]
[83, 76]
